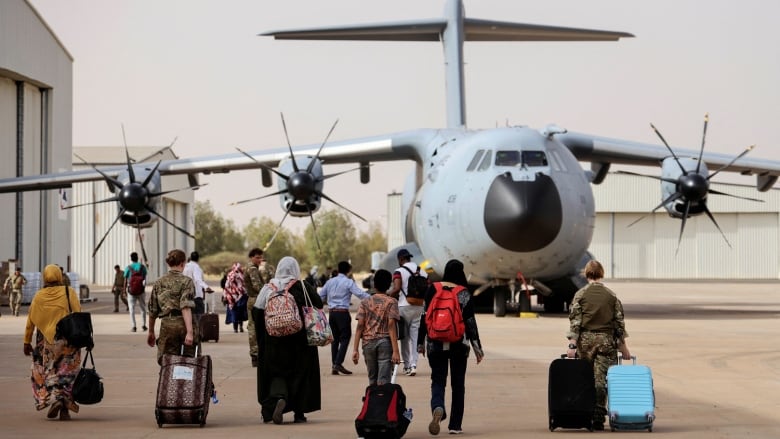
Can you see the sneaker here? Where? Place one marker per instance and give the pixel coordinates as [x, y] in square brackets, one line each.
[277, 417]
[407, 370]
[133, 329]
[144, 328]
[434, 427]
[456, 431]
[412, 371]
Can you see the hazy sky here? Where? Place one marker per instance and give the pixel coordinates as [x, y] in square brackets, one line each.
[196, 69]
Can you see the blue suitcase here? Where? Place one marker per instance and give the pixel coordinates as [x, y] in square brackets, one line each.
[630, 397]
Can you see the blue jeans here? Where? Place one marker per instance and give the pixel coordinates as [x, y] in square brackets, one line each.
[439, 360]
[378, 354]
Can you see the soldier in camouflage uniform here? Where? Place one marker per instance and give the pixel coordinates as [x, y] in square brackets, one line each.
[257, 274]
[172, 301]
[14, 287]
[597, 331]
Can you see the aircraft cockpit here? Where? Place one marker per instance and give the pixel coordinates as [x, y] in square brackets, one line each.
[508, 158]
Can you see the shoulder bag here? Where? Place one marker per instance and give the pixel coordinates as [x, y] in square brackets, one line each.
[87, 388]
[318, 331]
[76, 327]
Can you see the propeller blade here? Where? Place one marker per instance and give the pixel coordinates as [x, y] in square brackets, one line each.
[337, 204]
[668, 199]
[140, 239]
[122, 212]
[742, 154]
[117, 184]
[149, 177]
[158, 152]
[339, 173]
[264, 166]
[703, 136]
[278, 228]
[682, 225]
[668, 180]
[669, 148]
[127, 154]
[157, 194]
[92, 203]
[169, 223]
[284, 125]
[314, 227]
[713, 191]
[712, 218]
[259, 198]
[317, 156]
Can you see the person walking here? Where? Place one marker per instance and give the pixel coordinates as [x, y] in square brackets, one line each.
[118, 289]
[172, 300]
[234, 296]
[55, 363]
[410, 314]
[597, 331]
[337, 293]
[135, 284]
[193, 271]
[288, 374]
[14, 284]
[452, 355]
[258, 272]
[377, 318]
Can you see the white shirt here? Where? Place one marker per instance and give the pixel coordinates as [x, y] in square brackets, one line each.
[405, 275]
[194, 272]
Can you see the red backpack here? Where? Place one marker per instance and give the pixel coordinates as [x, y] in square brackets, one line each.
[135, 284]
[444, 318]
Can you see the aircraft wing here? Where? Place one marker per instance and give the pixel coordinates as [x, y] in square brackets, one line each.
[396, 146]
[599, 149]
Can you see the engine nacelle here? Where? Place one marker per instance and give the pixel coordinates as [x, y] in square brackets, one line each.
[300, 192]
[692, 185]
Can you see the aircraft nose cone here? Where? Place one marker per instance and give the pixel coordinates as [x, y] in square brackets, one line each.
[133, 197]
[523, 216]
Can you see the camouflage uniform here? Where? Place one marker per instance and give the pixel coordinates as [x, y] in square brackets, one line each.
[254, 279]
[596, 322]
[15, 283]
[172, 292]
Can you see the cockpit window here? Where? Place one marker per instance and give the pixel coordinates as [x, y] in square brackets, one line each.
[534, 158]
[475, 160]
[486, 161]
[507, 158]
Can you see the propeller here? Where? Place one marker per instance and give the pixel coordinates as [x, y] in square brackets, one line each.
[301, 184]
[137, 198]
[691, 187]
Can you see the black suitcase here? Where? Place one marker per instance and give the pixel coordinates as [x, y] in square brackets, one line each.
[209, 327]
[184, 389]
[571, 394]
[384, 413]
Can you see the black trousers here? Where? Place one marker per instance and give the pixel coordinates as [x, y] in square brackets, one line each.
[341, 326]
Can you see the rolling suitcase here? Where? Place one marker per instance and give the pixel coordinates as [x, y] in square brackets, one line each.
[630, 397]
[209, 327]
[571, 394]
[183, 390]
[384, 413]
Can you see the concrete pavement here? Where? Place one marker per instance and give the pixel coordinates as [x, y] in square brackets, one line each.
[712, 348]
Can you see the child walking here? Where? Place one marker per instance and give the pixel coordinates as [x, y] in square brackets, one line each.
[377, 320]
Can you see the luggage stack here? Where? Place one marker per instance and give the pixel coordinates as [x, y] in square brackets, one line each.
[630, 397]
[571, 394]
[184, 389]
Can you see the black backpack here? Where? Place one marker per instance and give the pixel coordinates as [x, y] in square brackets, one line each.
[416, 287]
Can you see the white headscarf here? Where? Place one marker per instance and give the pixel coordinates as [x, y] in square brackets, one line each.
[287, 271]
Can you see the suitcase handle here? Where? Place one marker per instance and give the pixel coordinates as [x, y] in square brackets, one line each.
[196, 351]
[620, 359]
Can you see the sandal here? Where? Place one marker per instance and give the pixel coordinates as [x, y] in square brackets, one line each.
[54, 410]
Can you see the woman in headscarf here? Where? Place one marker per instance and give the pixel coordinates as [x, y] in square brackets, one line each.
[288, 372]
[452, 355]
[235, 297]
[55, 363]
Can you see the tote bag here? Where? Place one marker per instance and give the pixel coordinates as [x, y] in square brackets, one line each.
[87, 388]
[75, 327]
[318, 331]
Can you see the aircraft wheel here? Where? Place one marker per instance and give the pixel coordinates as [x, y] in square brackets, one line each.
[499, 302]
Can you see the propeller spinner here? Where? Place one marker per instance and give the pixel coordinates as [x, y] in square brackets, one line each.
[691, 185]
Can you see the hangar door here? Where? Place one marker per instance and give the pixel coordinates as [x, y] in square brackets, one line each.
[648, 249]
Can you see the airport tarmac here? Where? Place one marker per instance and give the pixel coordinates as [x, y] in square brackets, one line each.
[712, 348]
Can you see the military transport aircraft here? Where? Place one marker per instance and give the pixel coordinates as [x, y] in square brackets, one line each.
[516, 198]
